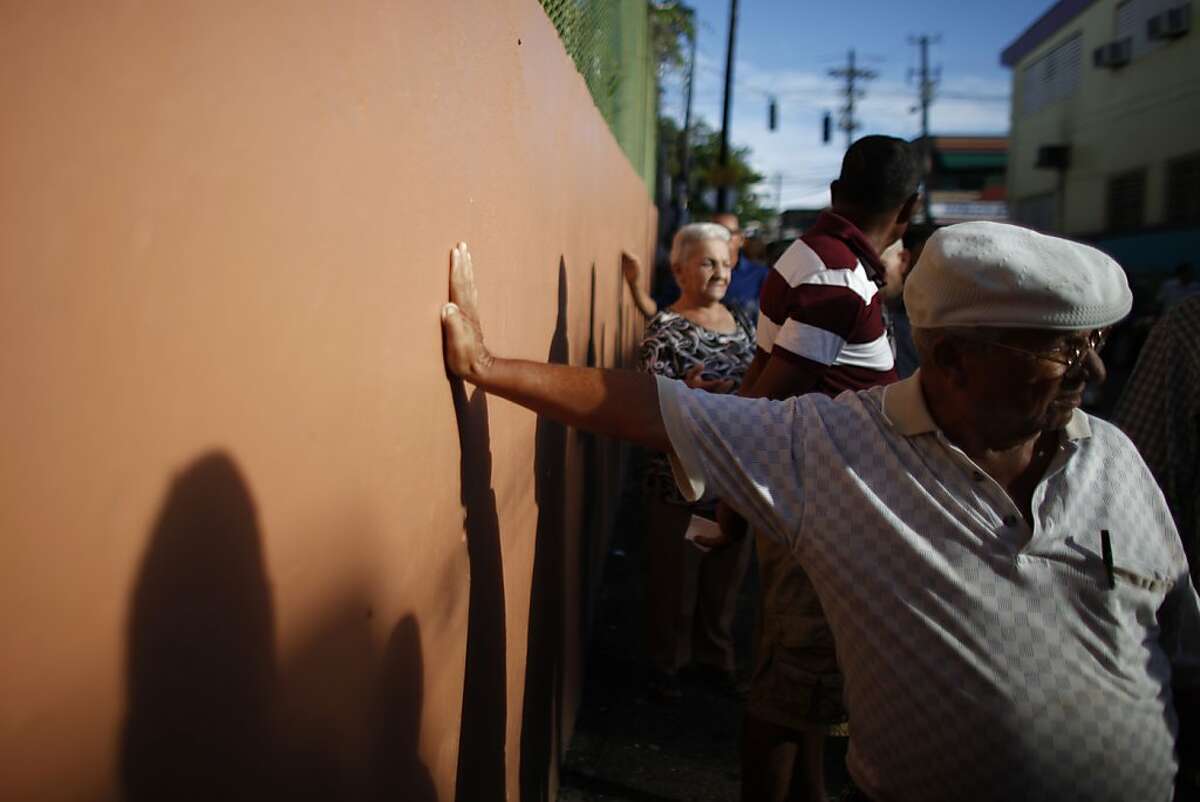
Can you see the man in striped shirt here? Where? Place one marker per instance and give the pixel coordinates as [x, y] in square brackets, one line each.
[820, 329]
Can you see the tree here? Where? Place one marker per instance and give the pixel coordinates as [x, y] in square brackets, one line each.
[672, 24]
[706, 173]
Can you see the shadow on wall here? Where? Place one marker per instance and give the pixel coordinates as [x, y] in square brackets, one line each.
[589, 447]
[201, 660]
[397, 770]
[203, 679]
[481, 770]
[542, 714]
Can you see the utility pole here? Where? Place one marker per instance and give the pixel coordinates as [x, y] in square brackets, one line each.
[926, 84]
[852, 74]
[723, 159]
[685, 153]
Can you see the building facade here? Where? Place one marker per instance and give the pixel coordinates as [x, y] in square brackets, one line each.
[966, 177]
[1105, 135]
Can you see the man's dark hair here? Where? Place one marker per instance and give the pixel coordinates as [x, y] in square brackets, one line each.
[879, 173]
[917, 234]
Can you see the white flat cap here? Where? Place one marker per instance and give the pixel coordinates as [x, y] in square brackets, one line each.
[1005, 276]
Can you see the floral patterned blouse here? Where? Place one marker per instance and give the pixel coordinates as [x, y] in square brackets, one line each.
[673, 346]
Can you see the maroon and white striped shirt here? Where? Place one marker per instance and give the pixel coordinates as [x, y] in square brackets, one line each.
[821, 307]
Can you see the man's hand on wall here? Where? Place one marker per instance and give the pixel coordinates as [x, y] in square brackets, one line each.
[466, 356]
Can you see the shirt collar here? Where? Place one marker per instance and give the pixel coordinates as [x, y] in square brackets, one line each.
[904, 407]
[834, 225]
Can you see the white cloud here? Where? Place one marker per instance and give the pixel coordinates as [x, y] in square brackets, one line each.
[963, 105]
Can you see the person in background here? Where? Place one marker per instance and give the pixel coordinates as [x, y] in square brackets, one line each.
[748, 276]
[898, 260]
[1011, 602]
[821, 329]
[692, 595]
[1160, 411]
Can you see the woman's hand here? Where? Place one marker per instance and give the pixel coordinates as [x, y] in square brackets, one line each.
[694, 380]
[466, 356]
[631, 267]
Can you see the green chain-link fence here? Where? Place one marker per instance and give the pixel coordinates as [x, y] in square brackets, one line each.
[609, 40]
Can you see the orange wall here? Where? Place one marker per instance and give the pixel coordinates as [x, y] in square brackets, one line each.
[248, 538]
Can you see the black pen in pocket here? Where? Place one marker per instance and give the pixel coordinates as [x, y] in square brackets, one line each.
[1106, 552]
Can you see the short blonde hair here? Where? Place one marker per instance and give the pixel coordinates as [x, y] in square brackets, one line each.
[694, 234]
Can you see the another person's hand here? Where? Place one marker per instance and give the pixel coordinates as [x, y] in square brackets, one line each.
[694, 380]
[466, 356]
[733, 529]
[631, 267]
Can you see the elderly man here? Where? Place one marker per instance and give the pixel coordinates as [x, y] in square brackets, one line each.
[1008, 593]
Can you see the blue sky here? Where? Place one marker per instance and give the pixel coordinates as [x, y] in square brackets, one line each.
[788, 47]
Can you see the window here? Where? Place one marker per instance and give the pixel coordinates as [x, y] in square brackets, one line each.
[1127, 200]
[1131, 21]
[1052, 77]
[1183, 190]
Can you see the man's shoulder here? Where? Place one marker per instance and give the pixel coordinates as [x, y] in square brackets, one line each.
[802, 269]
[834, 252]
[814, 253]
[1109, 449]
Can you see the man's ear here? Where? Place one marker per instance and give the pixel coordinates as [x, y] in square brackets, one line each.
[904, 216]
[834, 191]
[950, 360]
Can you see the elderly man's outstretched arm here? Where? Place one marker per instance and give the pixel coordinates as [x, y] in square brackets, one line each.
[620, 403]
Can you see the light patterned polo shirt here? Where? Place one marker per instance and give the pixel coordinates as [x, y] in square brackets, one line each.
[983, 659]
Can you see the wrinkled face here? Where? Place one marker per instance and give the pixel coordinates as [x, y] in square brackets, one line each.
[1022, 382]
[703, 275]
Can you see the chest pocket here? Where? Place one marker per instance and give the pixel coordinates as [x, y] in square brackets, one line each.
[1128, 611]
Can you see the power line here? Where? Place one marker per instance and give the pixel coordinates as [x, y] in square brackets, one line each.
[819, 93]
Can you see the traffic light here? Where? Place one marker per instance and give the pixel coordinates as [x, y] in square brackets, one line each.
[827, 128]
[772, 114]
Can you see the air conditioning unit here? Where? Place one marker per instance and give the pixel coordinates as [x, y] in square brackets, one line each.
[1170, 24]
[1054, 157]
[1178, 20]
[1156, 27]
[1114, 54]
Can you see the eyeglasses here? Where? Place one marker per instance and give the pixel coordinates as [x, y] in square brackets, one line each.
[1071, 355]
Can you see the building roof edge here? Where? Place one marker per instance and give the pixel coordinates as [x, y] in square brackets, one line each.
[1050, 23]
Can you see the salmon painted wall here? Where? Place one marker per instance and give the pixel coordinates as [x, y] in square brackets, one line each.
[253, 543]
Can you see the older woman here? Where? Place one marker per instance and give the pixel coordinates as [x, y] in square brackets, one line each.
[692, 594]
